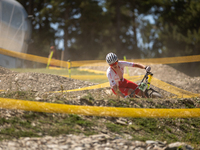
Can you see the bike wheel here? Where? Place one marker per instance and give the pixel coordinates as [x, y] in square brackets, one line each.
[156, 95]
[151, 93]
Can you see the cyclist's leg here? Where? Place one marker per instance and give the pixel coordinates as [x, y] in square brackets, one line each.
[123, 90]
[127, 87]
[141, 93]
[132, 86]
[128, 91]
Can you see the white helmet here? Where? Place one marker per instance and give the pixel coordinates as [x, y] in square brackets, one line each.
[111, 58]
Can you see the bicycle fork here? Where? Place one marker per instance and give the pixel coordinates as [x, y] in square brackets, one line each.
[149, 80]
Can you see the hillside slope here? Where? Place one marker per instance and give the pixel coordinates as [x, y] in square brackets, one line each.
[62, 131]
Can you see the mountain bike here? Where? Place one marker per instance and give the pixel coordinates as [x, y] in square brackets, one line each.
[144, 86]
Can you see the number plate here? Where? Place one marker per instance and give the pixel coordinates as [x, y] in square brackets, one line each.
[143, 86]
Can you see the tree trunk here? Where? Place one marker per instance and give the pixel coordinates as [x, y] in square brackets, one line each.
[118, 20]
[134, 30]
[30, 7]
[66, 51]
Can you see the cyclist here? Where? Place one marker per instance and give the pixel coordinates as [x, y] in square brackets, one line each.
[119, 85]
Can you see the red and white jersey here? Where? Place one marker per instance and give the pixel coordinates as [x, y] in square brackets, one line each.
[112, 74]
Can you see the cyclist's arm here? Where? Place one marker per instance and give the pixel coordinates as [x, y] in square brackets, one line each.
[131, 64]
[139, 66]
[117, 91]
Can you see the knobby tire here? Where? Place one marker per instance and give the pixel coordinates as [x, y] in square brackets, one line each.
[151, 93]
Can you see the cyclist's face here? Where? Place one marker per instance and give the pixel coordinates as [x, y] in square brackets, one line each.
[114, 65]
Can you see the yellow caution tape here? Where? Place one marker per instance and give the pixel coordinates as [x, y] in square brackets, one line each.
[98, 72]
[56, 68]
[163, 85]
[156, 82]
[86, 77]
[103, 85]
[98, 111]
[34, 58]
[172, 89]
[167, 60]
[93, 71]
[92, 77]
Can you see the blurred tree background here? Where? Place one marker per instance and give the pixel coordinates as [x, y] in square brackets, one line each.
[89, 29]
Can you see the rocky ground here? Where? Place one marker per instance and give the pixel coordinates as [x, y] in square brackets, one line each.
[95, 142]
[41, 84]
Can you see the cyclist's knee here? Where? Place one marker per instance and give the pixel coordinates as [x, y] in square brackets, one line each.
[130, 91]
[139, 93]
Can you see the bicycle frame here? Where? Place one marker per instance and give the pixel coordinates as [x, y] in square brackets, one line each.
[147, 77]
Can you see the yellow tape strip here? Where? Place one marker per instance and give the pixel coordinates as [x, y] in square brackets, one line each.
[89, 63]
[92, 77]
[33, 58]
[156, 82]
[97, 111]
[93, 71]
[165, 86]
[168, 60]
[86, 77]
[56, 68]
[98, 72]
[103, 85]
[172, 89]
